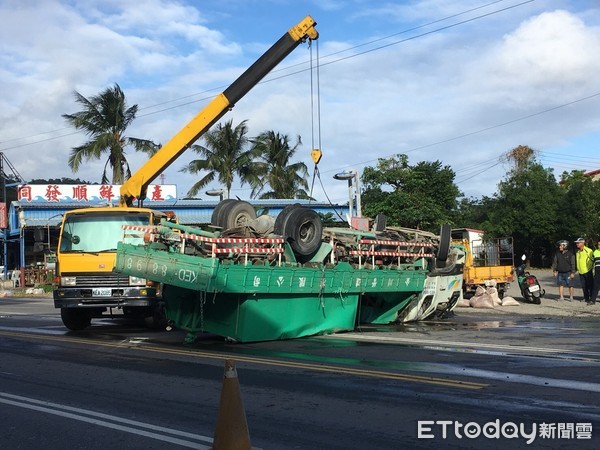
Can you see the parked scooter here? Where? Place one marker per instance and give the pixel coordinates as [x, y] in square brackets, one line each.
[531, 291]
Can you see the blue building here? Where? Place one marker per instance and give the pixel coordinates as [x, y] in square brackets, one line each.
[31, 221]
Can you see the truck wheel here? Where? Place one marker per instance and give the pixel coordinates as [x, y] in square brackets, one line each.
[75, 319]
[158, 319]
[279, 227]
[214, 218]
[304, 230]
[444, 247]
[236, 214]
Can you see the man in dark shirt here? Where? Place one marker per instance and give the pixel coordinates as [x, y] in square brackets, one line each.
[563, 266]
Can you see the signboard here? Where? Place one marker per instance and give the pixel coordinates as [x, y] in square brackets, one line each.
[88, 193]
[3, 221]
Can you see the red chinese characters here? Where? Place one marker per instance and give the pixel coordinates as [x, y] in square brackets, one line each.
[52, 193]
[80, 192]
[24, 193]
[106, 192]
[157, 193]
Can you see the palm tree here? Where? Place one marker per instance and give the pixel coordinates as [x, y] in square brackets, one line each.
[225, 156]
[286, 180]
[104, 119]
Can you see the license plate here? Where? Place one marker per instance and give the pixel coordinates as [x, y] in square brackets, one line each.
[101, 292]
[534, 288]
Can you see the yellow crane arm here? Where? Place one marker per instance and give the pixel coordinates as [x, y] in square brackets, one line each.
[135, 187]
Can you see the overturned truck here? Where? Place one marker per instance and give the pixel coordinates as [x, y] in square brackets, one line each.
[258, 278]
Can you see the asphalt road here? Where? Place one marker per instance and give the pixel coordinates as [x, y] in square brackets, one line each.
[118, 385]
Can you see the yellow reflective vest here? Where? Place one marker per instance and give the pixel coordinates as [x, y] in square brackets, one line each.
[585, 261]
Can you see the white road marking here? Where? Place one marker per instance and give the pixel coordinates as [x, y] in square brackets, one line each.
[445, 343]
[104, 421]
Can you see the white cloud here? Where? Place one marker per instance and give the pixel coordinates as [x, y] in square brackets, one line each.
[548, 58]
[407, 97]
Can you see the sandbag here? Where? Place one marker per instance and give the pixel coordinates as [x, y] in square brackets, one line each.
[509, 301]
[482, 301]
[493, 292]
[463, 303]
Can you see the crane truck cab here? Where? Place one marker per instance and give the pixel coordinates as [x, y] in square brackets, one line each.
[85, 285]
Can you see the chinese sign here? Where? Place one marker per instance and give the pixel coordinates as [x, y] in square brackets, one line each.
[89, 193]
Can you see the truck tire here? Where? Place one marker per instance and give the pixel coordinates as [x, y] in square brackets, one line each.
[158, 319]
[75, 319]
[444, 247]
[281, 218]
[303, 230]
[216, 214]
[237, 214]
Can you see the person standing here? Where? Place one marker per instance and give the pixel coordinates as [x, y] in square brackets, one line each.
[596, 256]
[563, 267]
[585, 263]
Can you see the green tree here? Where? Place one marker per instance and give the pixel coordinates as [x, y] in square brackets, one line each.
[526, 208]
[579, 206]
[472, 212]
[224, 156]
[421, 196]
[63, 180]
[284, 178]
[105, 118]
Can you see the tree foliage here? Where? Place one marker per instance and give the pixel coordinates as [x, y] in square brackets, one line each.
[105, 119]
[529, 204]
[276, 171]
[579, 206]
[423, 196]
[63, 180]
[264, 162]
[526, 208]
[224, 155]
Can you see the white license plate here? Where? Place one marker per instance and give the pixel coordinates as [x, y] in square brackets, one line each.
[534, 288]
[101, 292]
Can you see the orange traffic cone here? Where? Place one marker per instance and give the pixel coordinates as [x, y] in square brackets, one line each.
[231, 432]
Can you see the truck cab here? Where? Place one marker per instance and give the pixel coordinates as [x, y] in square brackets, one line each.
[85, 285]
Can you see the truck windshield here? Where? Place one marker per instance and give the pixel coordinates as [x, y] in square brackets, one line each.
[95, 232]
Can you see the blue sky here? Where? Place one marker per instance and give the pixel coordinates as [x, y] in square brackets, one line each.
[460, 82]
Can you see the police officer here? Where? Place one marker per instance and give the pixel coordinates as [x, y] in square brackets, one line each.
[585, 264]
[596, 256]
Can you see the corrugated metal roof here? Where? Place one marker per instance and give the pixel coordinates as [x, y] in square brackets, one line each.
[189, 212]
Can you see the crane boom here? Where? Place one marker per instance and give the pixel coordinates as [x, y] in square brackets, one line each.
[137, 184]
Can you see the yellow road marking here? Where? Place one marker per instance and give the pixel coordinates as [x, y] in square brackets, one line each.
[258, 360]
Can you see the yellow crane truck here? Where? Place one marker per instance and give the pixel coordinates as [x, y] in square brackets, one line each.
[489, 261]
[85, 285]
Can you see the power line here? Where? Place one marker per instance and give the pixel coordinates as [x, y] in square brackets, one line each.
[302, 70]
[483, 130]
